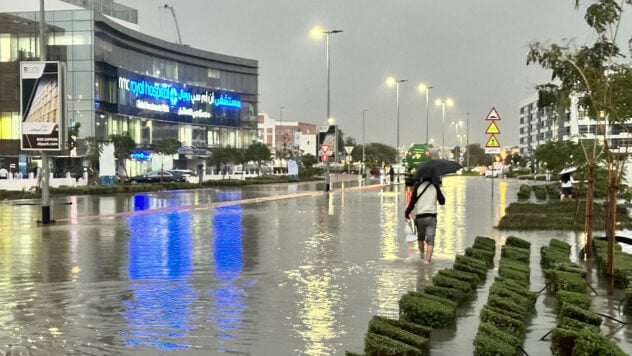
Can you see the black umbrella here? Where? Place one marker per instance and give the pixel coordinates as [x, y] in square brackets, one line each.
[434, 169]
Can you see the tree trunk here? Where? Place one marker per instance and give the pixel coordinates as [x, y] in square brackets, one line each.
[611, 217]
[588, 221]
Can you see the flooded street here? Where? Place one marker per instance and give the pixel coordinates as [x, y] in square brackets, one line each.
[269, 270]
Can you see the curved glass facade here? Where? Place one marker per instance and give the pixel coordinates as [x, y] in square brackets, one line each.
[121, 81]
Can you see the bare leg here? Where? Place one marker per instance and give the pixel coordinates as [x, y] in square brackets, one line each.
[429, 253]
[420, 244]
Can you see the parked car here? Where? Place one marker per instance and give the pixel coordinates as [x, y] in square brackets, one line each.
[76, 172]
[186, 173]
[156, 177]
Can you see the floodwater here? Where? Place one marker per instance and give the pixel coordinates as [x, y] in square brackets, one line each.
[269, 270]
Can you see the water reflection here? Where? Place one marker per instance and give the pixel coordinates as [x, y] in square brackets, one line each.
[229, 298]
[160, 264]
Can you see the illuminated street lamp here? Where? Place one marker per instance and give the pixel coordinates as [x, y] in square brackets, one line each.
[443, 103]
[392, 81]
[317, 32]
[424, 88]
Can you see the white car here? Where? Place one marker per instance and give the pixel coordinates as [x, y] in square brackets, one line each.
[492, 172]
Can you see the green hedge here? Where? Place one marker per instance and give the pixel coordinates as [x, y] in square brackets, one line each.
[503, 291]
[518, 242]
[381, 326]
[581, 300]
[515, 253]
[503, 322]
[472, 278]
[481, 254]
[376, 344]
[496, 333]
[524, 192]
[589, 342]
[520, 273]
[484, 243]
[426, 309]
[561, 280]
[517, 288]
[449, 282]
[453, 294]
[577, 313]
[486, 345]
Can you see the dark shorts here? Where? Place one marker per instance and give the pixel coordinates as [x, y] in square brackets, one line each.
[567, 190]
[426, 228]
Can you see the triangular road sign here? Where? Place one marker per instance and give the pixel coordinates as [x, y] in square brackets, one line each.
[492, 142]
[492, 129]
[493, 115]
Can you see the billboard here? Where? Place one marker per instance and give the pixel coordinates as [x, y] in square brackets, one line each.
[40, 105]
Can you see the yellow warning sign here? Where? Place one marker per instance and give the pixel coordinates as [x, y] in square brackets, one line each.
[492, 129]
[492, 142]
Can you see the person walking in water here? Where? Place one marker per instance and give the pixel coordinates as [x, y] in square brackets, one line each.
[423, 203]
[566, 186]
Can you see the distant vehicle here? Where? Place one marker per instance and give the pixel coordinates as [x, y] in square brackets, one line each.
[157, 177]
[416, 154]
[185, 173]
[492, 172]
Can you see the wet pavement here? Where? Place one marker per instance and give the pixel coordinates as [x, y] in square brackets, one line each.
[268, 270]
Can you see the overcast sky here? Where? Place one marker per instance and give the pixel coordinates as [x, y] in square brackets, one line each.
[473, 51]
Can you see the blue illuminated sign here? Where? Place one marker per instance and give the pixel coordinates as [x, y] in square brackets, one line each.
[172, 98]
[141, 156]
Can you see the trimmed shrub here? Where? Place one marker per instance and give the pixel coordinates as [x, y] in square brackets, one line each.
[524, 192]
[590, 342]
[496, 333]
[580, 314]
[425, 309]
[512, 271]
[517, 288]
[462, 266]
[580, 300]
[485, 243]
[488, 345]
[551, 256]
[481, 254]
[569, 267]
[419, 330]
[515, 253]
[474, 262]
[502, 291]
[511, 314]
[375, 344]
[381, 327]
[540, 192]
[503, 303]
[453, 294]
[560, 245]
[574, 324]
[472, 278]
[560, 280]
[449, 282]
[503, 322]
[563, 341]
[518, 242]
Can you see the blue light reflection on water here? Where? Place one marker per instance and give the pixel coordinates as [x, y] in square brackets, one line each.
[229, 296]
[160, 260]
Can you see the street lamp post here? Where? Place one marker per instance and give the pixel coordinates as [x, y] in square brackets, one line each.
[363, 141]
[424, 88]
[443, 103]
[467, 140]
[317, 32]
[397, 82]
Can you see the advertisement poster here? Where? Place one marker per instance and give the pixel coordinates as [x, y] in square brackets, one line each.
[40, 106]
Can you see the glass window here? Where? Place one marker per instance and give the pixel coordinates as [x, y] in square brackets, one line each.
[82, 52]
[83, 85]
[81, 66]
[82, 38]
[82, 26]
[82, 15]
[58, 16]
[5, 47]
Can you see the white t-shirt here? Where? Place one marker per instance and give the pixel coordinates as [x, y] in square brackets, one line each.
[427, 203]
[3, 173]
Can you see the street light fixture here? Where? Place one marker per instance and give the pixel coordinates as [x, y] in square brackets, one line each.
[424, 88]
[317, 32]
[363, 142]
[392, 81]
[443, 103]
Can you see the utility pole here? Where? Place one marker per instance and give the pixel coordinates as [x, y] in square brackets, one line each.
[45, 175]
